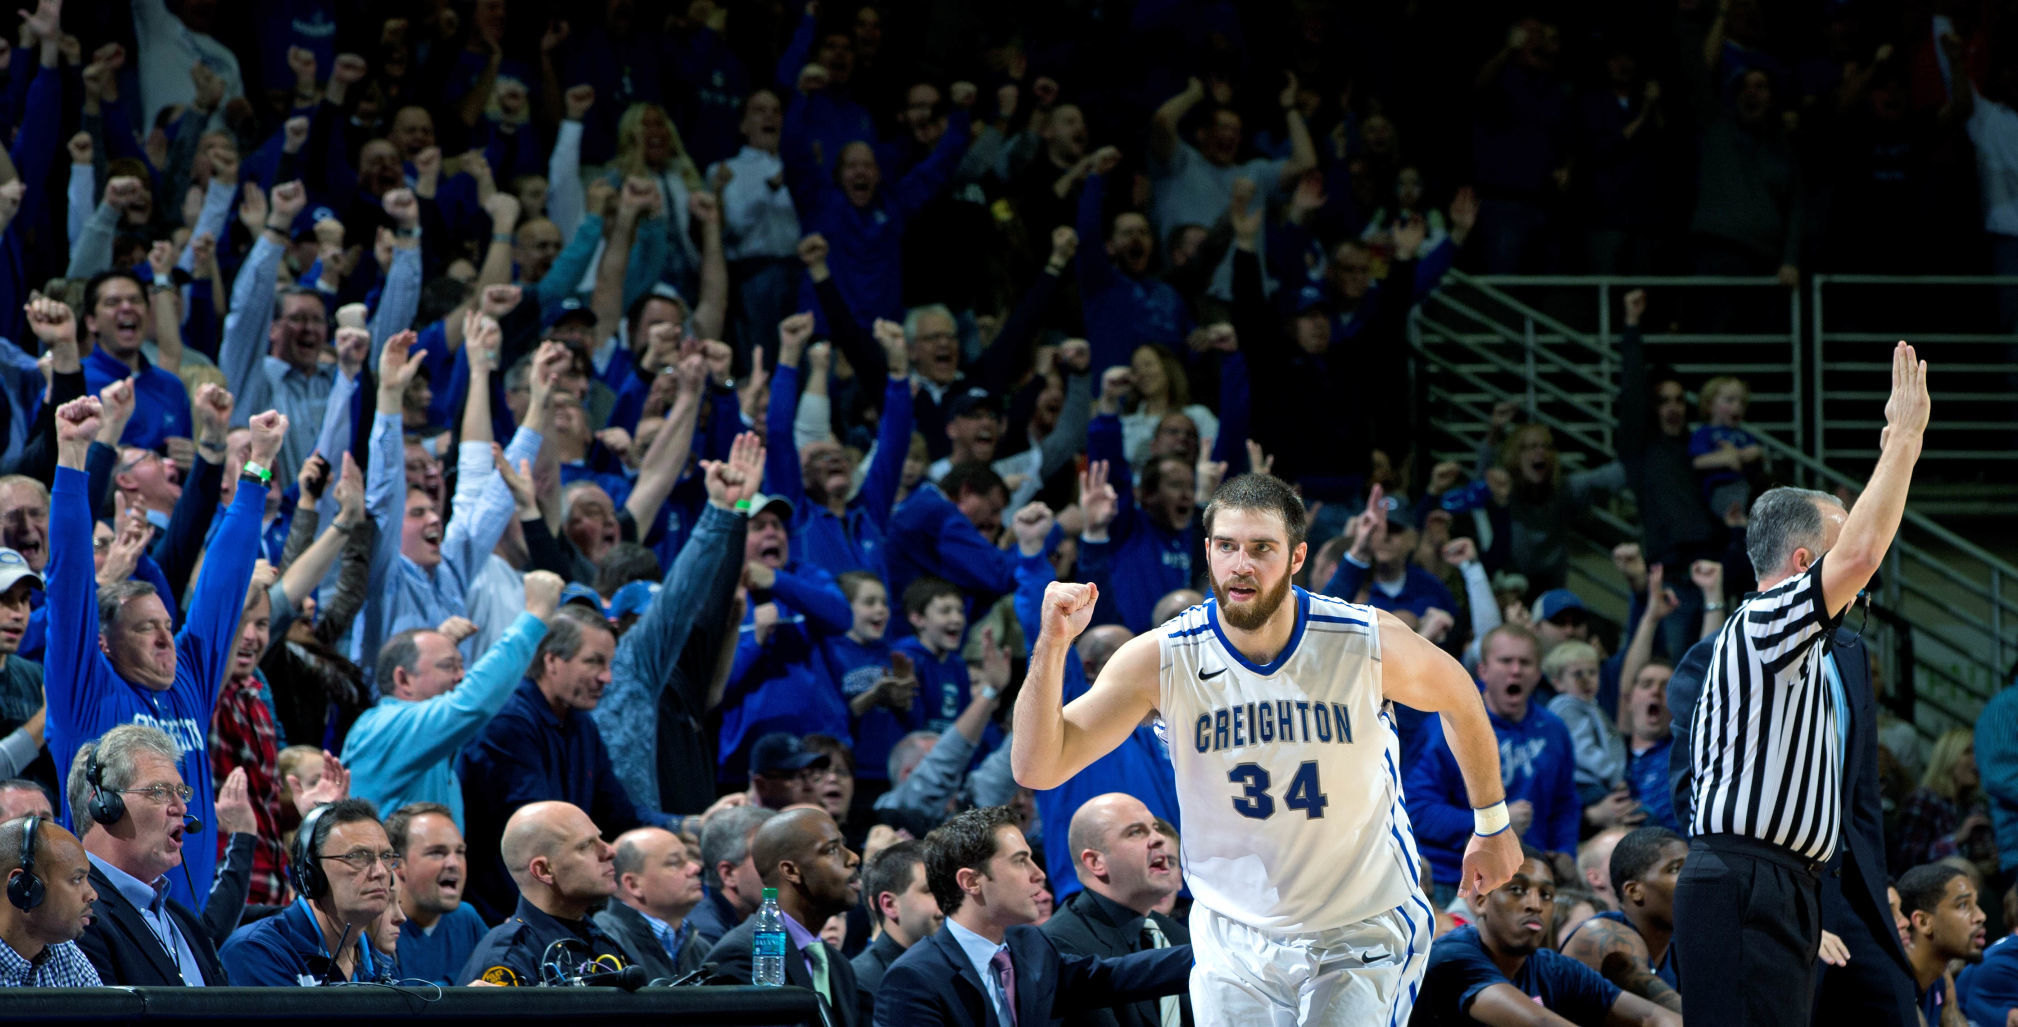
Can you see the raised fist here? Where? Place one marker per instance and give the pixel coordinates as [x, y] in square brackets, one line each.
[579, 99]
[813, 249]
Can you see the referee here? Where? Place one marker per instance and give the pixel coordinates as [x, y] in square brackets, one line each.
[1766, 739]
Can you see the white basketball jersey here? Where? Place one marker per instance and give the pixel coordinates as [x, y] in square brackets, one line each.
[1288, 775]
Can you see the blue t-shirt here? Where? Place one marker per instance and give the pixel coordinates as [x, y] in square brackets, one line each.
[160, 401]
[1708, 439]
[436, 955]
[1537, 763]
[1988, 990]
[856, 667]
[1459, 969]
[1647, 774]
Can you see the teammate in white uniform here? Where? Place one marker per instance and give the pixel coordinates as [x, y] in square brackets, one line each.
[1296, 845]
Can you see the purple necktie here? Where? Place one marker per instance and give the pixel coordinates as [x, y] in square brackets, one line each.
[1006, 976]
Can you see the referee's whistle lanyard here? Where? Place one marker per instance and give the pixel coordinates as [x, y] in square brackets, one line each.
[322, 947]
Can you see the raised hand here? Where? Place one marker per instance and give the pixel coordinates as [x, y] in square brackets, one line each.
[1635, 306]
[81, 148]
[123, 193]
[209, 87]
[350, 491]
[1370, 527]
[294, 134]
[1068, 608]
[287, 200]
[732, 481]
[1105, 160]
[1708, 576]
[524, 490]
[211, 409]
[896, 353]
[1098, 502]
[456, 629]
[1661, 600]
[1032, 526]
[499, 300]
[813, 250]
[334, 785]
[115, 408]
[793, 334]
[314, 476]
[269, 429]
[705, 210]
[1459, 551]
[1907, 409]
[397, 364]
[77, 420]
[1258, 462]
[234, 805]
[1064, 243]
[51, 320]
[994, 663]
[482, 339]
[403, 208]
[1409, 232]
[543, 593]
[503, 209]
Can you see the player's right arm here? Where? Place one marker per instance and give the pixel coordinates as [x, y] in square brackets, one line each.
[1052, 742]
[1415, 673]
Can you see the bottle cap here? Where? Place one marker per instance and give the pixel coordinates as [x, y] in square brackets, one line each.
[770, 893]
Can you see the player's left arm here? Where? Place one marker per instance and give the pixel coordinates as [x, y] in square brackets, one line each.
[1630, 1010]
[1415, 673]
[1620, 954]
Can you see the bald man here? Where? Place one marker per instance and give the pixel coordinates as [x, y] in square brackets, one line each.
[41, 942]
[1097, 644]
[1594, 863]
[1126, 867]
[801, 853]
[658, 884]
[1174, 603]
[564, 870]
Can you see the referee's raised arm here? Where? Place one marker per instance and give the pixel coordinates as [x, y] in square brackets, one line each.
[1867, 532]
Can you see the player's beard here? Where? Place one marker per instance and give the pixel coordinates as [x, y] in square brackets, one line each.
[1252, 615]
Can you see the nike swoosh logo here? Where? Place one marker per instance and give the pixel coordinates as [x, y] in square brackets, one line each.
[1205, 674]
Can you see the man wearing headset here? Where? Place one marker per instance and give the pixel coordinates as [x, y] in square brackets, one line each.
[341, 867]
[130, 803]
[49, 897]
[564, 871]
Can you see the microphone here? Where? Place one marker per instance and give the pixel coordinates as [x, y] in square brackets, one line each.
[192, 824]
[630, 978]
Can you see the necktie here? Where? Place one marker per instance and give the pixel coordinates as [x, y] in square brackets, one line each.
[1171, 1010]
[816, 953]
[1005, 974]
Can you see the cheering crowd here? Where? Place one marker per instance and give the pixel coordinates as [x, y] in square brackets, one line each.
[490, 489]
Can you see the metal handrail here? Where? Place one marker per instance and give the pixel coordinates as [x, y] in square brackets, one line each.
[1554, 333]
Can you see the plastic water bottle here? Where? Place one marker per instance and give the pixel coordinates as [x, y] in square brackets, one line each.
[767, 968]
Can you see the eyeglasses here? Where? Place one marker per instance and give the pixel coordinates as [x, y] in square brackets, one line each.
[361, 860]
[159, 793]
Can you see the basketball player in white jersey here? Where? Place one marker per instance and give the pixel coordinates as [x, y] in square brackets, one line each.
[1296, 845]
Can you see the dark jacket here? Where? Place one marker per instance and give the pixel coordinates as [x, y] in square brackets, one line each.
[732, 960]
[642, 947]
[520, 945]
[1094, 925]
[934, 983]
[1854, 905]
[873, 963]
[713, 918]
[126, 951]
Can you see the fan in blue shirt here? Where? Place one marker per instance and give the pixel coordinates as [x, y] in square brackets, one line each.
[116, 317]
[1498, 971]
[879, 685]
[1537, 764]
[440, 930]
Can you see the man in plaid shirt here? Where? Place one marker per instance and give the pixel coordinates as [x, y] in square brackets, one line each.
[49, 897]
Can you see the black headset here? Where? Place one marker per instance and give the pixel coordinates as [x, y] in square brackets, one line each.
[26, 890]
[304, 870]
[107, 806]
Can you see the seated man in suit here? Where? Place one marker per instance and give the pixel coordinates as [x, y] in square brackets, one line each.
[658, 884]
[1126, 866]
[129, 801]
[801, 853]
[49, 897]
[900, 906]
[989, 966]
[734, 890]
[563, 870]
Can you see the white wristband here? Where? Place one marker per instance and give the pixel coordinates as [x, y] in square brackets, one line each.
[1487, 821]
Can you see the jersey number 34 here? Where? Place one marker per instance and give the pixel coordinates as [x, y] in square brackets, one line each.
[1255, 803]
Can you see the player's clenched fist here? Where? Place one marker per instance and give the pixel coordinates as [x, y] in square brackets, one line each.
[1068, 606]
[1489, 862]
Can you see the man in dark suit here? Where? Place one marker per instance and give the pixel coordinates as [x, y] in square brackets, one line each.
[129, 805]
[801, 853]
[901, 905]
[988, 966]
[658, 884]
[1876, 984]
[1125, 868]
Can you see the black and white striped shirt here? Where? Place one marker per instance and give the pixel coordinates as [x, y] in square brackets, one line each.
[1763, 748]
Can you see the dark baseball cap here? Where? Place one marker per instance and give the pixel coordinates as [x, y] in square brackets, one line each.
[780, 752]
[973, 400]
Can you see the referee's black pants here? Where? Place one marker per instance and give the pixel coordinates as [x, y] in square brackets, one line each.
[1748, 926]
